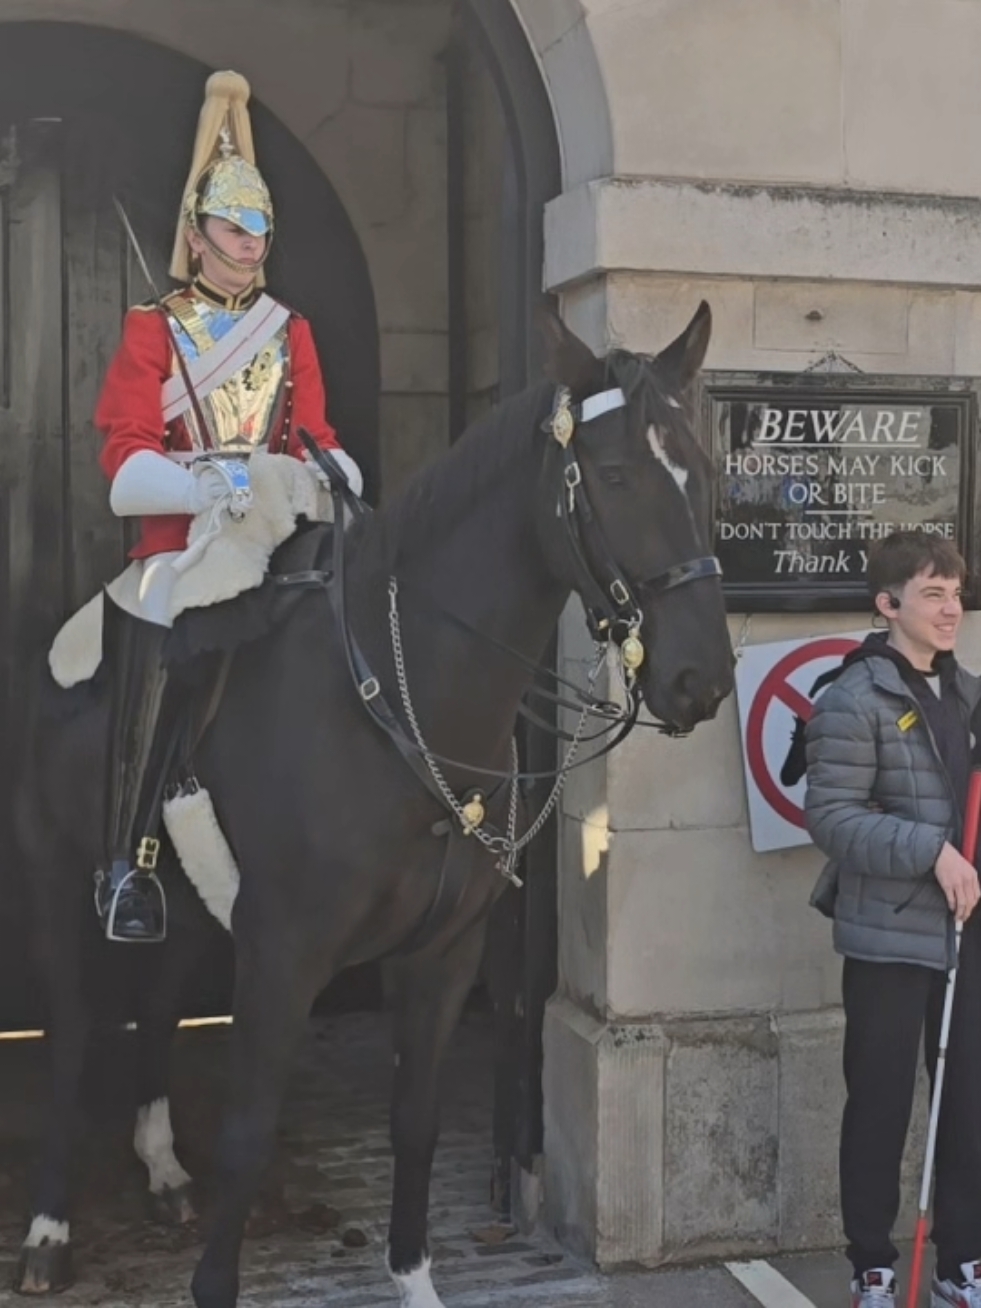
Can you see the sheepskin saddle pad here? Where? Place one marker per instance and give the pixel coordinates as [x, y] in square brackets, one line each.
[228, 563]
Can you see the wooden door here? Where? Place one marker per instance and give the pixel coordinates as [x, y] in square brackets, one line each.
[64, 286]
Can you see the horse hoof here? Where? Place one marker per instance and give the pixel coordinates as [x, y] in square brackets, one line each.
[44, 1269]
[173, 1207]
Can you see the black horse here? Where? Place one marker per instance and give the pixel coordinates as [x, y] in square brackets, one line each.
[342, 848]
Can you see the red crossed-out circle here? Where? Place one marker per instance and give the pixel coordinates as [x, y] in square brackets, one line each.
[776, 685]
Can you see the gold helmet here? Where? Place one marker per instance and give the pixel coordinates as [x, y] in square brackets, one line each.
[224, 181]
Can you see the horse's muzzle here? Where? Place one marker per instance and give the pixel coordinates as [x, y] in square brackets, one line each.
[686, 704]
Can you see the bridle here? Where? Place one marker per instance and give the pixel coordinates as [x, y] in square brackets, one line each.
[613, 612]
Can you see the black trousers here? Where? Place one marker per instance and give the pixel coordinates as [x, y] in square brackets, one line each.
[887, 1008]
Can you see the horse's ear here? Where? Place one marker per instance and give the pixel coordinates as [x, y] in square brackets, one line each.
[682, 361]
[568, 360]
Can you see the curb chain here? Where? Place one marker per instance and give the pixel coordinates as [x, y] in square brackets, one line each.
[507, 847]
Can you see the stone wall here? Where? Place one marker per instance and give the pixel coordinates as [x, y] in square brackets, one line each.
[858, 94]
[693, 1049]
[797, 167]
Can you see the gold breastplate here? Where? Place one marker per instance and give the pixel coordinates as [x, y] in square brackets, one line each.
[240, 413]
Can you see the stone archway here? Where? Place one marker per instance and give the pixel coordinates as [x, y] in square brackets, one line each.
[86, 114]
[148, 69]
[559, 34]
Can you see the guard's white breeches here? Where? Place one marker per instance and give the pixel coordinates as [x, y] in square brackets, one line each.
[156, 587]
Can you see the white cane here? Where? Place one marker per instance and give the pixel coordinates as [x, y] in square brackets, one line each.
[970, 843]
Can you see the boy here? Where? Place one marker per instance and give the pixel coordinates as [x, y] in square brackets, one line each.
[889, 755]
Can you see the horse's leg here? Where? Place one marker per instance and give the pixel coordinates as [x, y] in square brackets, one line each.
[272, 1002]
[430, 994]
[45, 1258]
[170, 1187]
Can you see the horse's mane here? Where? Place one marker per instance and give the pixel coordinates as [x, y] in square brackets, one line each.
[447, 490]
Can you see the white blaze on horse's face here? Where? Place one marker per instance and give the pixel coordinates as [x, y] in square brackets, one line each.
[677, 471]
[416, 1288]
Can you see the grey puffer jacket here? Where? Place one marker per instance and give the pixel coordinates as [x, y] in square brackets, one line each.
[880, 806]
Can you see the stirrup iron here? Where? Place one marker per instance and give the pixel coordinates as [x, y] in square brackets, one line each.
[148, 886]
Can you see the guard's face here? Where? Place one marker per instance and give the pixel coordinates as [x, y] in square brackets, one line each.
[243, 247]
[929, 613]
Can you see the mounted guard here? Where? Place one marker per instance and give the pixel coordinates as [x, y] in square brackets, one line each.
[203, 378]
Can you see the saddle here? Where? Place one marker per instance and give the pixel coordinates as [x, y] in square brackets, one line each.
[223, 628]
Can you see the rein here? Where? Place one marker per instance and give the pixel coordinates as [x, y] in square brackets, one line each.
[613, 616]
[368, 685]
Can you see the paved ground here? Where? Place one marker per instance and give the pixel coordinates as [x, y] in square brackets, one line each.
[321, 1241]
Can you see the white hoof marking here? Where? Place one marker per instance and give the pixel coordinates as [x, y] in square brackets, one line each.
[153, 1141]
[416, 1287]
[45, 1231]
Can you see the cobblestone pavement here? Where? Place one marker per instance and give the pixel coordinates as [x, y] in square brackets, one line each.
[320, 1236]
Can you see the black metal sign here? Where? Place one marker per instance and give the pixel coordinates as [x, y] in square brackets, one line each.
[812, 470]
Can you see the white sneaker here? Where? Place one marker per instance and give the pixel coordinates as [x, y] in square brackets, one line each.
[950, 1294]
[876, 1288]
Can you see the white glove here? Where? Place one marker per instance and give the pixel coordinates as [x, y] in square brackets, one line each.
[208, 486]
[348, 466]
[149, 483]
[316, 470]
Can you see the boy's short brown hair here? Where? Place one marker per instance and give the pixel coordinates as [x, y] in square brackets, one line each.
[896, 559]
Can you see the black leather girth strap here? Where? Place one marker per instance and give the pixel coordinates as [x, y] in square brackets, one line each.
[461, 862]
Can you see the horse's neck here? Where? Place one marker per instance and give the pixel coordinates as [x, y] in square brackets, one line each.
[490, 574]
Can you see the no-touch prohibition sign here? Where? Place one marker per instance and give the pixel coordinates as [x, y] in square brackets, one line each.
[775, 687]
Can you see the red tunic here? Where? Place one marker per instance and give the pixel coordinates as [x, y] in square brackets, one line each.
[130, 410]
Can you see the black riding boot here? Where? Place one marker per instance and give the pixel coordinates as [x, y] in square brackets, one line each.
[129, 897]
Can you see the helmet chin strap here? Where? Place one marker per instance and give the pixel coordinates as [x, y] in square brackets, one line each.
[236, 265]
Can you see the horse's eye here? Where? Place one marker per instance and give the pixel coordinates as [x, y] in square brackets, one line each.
[612, 476]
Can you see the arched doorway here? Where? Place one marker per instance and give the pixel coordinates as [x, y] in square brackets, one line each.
[87, 114]
[98, 111]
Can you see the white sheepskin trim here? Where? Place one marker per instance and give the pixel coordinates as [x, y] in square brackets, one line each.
[214, 567]
[205, 854]
[76, 651]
